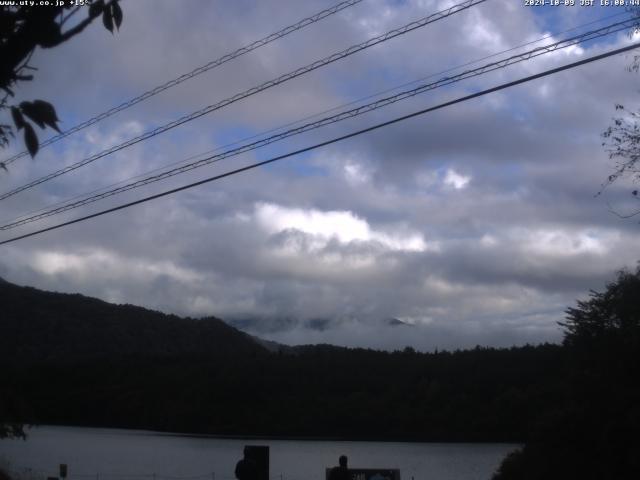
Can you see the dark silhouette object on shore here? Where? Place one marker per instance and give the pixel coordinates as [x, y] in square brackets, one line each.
[341, 472]
[246, 468]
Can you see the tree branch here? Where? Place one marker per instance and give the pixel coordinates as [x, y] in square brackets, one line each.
[71, 14]
[73, 31]
[619, 215]
[78, 28]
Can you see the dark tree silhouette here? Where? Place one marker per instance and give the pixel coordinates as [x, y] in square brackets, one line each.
[22, 30]
[11, 430]
[593, 431]
[612, 315]
[622, 138]
[622, 142]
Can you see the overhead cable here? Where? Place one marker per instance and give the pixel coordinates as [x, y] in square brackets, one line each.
[252, 91]
[616, 27]
[193, 73]
[309, 117]
[332, 141]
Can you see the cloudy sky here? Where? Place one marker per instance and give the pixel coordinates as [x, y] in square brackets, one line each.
[475, 224]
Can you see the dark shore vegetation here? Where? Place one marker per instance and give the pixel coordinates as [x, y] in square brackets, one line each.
[477, 395]
[592, 430]
[4, 475]
[74, 360]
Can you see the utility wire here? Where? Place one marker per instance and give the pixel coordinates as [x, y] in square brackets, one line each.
[309, 117]
[616, 27]
[28, 218]
[197, 71]
[252, 91]
[332, 141]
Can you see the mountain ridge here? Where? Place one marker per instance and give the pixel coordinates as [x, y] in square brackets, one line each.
[40, 325]
[75, 360]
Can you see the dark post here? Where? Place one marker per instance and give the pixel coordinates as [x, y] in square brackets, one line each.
[259, 454]
[63, 470]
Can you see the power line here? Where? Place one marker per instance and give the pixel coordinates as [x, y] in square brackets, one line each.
[252, 91]
[195, 72]
[607, 30]
[309, 117]
[334, 140]
[315, 115]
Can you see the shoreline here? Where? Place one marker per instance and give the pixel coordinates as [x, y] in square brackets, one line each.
[301, 438]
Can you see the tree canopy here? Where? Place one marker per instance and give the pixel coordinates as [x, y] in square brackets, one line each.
[622, 138]
[23, 28]
[593, 429]
[614, 313]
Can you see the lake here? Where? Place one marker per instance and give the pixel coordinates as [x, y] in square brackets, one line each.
[111, 454]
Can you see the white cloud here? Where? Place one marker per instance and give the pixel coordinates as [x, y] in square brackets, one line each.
[483, 32]
[90, 263]
[557, 242]
[355, 173]
[324, 226]
[456, 180]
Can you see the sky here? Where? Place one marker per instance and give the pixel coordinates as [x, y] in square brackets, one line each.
[477, 224]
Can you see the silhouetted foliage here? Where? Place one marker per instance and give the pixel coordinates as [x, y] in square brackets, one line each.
[12, 430]
[13, 412]
[4, 475]
[622, 142]
[23, 28]
[612, 316]
[622, 138]
[593, 431]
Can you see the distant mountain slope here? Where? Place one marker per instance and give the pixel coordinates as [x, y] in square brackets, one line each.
[74, 360]
[42, 326]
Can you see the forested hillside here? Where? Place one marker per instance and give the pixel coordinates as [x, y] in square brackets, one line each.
[81, 361]
[39, 326]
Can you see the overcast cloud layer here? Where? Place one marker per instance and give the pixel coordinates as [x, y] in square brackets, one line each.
[476, 224]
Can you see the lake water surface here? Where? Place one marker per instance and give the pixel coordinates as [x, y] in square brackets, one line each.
[110, 454]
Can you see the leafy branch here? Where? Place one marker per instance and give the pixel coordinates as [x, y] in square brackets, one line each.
[22, 30]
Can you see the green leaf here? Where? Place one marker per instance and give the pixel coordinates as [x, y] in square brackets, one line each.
[18, 119]
[41, 112]
[32, 112]
[96, 8]
[31, 139]
[107, 20]
[117, 13]
[46, 113]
